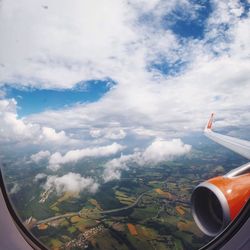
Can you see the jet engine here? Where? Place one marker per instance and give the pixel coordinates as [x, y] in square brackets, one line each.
[216, 202]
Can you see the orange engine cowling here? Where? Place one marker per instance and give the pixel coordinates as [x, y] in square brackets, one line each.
[218, 201]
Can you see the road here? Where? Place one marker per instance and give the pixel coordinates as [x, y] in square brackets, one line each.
[123, 208]
[101, 212]
[57, 217]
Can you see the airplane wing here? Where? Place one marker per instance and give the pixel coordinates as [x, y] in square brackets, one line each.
[241, 147]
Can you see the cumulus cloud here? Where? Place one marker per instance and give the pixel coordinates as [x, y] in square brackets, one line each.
[161, 150]
[12, 127]
[115, 134]
[114, 167]
[39, 177]
[158, 151]
[144, 132]
[73, 156]
[111, 133]
[17, 129]
[51, 135]
[95, 133]
[71, 182]
[40, 156]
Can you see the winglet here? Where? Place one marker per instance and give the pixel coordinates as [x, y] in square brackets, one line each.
[210, 123]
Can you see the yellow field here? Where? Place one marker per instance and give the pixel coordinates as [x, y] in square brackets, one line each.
[146, 233]
[127, 203]
[58, 222]
[67, 195]
[118, 227]
[163, 193]
[56, 244]
[95, 203]
[180, 210]
[64, 197]
[121, 194]
[124, 198]
[75, 219]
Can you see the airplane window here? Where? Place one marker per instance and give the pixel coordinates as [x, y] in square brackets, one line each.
[103, 106]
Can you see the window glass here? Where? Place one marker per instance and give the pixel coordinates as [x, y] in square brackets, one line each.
[102, 111]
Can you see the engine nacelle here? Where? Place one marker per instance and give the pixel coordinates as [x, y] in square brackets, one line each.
[218, 201]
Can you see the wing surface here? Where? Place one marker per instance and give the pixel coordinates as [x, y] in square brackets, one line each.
[239, 146]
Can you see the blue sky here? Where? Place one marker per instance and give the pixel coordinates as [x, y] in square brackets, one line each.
[187, 26]
[33, 100]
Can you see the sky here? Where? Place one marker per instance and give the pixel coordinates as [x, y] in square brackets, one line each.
[32, 100]
[119, 78]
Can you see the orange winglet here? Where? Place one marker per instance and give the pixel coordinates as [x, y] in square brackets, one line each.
[210, 122]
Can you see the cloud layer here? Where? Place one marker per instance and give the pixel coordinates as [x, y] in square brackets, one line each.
[124, 40]
[39, 177]
[18, 130]
[40, 156]
[73, 156]
[71, 182]
[158, 151]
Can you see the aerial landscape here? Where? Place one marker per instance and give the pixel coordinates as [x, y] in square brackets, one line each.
[103, 106]
[148, 208]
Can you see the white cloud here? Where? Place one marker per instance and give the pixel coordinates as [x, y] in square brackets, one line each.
[161, 150]
[225, 11]
[65, 43]
[73, 156]
[40, 176]
[117, 42]
[71, 182]
[111, 133]
[158, 151]
[180, 103]
[14, 129]
[51, 135]
[115, 134]
[15, 188]
[40, 156]
[144, 132]
[95, 133]
[114, 167]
